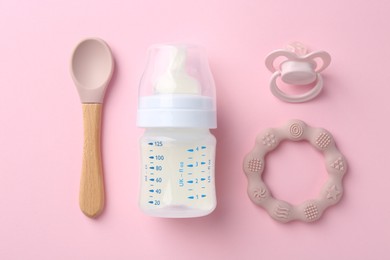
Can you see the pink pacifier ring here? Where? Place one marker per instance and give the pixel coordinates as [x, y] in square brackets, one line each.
[295, 98]
[310, 210]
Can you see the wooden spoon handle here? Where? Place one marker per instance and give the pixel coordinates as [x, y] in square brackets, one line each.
[91, 185]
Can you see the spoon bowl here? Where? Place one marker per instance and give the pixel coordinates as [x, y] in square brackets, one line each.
[92, 67]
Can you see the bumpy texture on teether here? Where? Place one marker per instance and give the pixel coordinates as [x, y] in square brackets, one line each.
[308, 211]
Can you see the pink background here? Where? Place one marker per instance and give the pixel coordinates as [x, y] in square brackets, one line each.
[41, 129]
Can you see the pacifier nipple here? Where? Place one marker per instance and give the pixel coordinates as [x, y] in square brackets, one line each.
[299, 68]
[298, 48]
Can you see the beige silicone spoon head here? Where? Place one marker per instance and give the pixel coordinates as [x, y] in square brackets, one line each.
[92, 66]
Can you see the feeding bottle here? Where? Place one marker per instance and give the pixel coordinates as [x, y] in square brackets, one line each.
[177, 107]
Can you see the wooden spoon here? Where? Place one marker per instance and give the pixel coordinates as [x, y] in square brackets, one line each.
[92, 66]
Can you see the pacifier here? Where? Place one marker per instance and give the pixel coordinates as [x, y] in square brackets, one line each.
[299, 68]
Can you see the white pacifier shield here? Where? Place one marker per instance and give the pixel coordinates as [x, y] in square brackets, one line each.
[295, 98]
[298, 72]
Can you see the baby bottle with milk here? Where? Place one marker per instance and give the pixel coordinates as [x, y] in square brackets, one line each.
[177, 107]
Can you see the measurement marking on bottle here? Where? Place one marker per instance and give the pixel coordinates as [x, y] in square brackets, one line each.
[189, 174]
[196, 196]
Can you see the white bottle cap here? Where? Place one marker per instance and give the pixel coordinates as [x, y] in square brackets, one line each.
[177, 89]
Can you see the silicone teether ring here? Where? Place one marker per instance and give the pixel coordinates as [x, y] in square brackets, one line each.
[295, 98]
[310, 210]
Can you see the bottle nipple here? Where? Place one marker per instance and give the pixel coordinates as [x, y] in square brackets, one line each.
[176, 80]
